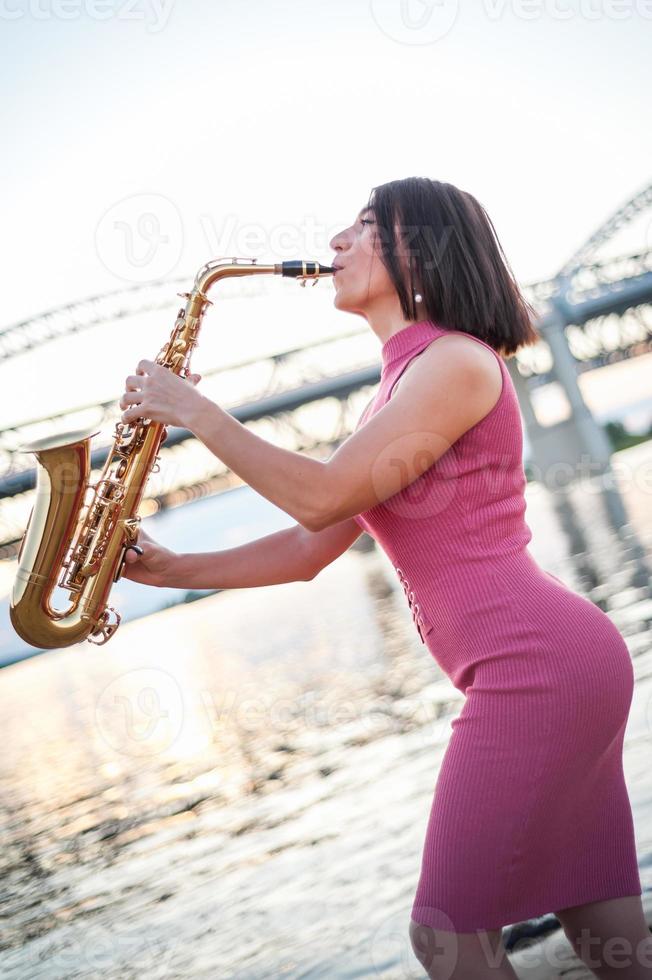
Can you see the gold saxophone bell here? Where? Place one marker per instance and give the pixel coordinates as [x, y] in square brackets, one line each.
[80, 545]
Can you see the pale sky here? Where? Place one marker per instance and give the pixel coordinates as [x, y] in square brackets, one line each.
[143, 138]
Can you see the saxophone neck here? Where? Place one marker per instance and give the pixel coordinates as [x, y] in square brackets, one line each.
[300, 269]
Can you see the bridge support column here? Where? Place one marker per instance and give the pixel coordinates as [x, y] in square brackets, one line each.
[576, 448]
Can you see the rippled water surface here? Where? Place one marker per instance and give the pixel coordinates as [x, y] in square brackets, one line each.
[239, 787]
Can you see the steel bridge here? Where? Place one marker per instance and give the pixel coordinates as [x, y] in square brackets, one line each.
[593, 312]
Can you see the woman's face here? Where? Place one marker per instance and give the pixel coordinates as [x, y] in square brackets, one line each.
[362, 283]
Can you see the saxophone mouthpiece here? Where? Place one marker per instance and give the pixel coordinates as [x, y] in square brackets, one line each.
[300, 269]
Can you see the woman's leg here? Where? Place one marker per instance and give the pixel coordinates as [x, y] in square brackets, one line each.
[611, 937]
[444, 955]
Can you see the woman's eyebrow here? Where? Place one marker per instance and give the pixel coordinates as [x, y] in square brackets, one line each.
[363, 212]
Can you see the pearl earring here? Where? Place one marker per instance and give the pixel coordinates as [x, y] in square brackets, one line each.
[418, 297]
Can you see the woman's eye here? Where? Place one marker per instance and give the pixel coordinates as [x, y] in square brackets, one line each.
[366, 221]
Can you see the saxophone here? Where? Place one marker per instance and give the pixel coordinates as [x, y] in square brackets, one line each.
[78, 544]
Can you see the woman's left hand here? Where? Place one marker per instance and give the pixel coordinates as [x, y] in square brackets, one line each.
[156, 393]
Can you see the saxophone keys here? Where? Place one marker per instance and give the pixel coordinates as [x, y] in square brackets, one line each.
[131, 525]
[89, 569]
[104, 629]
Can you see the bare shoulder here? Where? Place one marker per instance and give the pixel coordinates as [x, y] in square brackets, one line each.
[473, 354]
[458, 356]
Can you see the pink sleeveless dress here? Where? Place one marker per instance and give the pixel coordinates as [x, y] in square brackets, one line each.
[530, 812]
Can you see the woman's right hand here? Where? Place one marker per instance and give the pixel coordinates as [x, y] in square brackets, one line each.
[155, 564]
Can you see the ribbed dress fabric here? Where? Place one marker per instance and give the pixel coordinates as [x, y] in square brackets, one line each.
[531, 812]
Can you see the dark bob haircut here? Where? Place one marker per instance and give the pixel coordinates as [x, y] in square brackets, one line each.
[449, 252]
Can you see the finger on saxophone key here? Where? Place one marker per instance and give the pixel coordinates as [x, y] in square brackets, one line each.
[132, 558]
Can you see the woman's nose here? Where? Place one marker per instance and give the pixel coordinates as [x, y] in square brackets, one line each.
[338, 241]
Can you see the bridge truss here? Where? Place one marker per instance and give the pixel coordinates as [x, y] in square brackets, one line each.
[606, 306]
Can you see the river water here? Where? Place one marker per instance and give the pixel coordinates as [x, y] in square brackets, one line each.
[238, 787]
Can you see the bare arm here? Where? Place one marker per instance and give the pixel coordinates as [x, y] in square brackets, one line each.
[328, 544]
[451, 388]
[291, 555]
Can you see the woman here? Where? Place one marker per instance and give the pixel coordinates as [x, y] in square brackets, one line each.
[530, 812]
